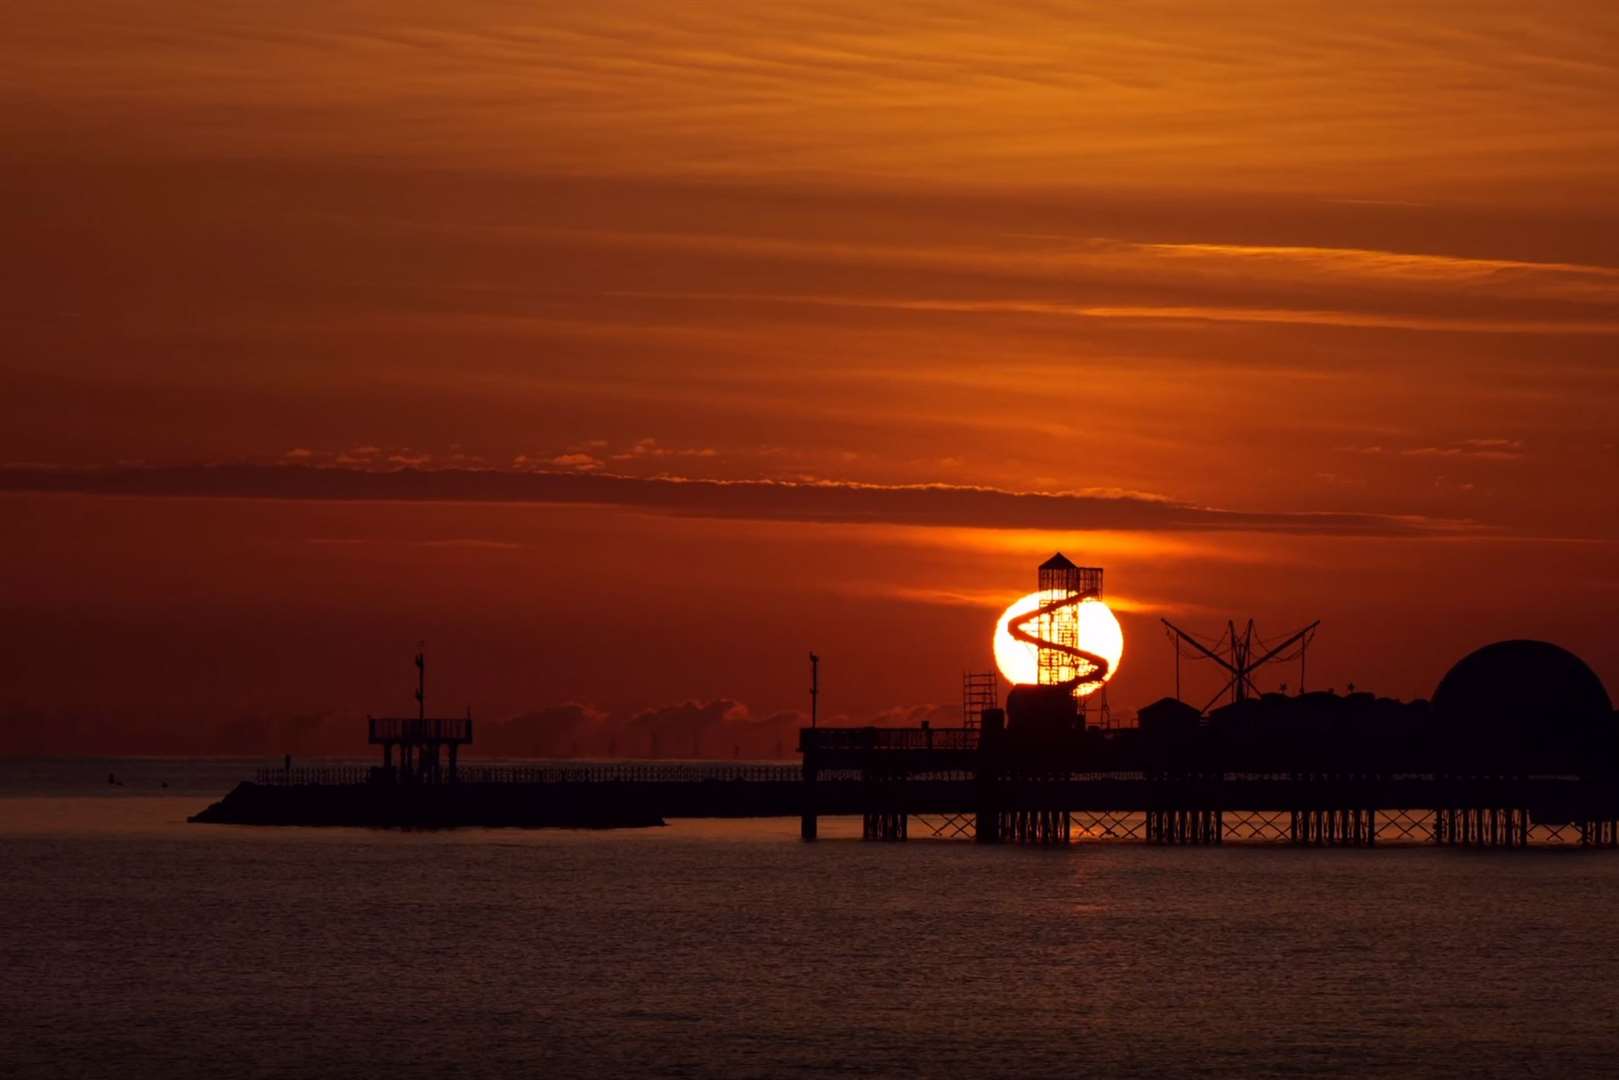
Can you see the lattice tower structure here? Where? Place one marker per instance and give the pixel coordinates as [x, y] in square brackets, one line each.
[1063, 587]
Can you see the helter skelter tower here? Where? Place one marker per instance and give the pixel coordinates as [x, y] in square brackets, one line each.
[1068, 669]
[1063, 586]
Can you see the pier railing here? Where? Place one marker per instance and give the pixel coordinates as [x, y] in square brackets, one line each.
[626, 773]
[320, 774]
[454, 729]
[857, 739]
[698, 772]
[546, 774]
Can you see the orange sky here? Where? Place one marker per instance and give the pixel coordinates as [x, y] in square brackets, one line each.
[1304, 312]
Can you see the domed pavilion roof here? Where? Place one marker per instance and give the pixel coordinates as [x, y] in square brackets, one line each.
[1523, 698]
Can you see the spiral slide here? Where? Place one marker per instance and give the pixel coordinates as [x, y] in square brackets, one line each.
[1098, 665]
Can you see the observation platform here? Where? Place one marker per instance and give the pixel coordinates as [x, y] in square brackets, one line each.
[425, 744]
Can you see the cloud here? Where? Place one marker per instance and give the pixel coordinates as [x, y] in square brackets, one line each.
[1582, 281]
[649, 448]
[581, 461]
[906, 90]
[986, 598]
[1477, 449]
[1283, 316]
[360, 456]
[916, 715]
[1471, 449]
[766, 500]
[1111, 261]
[566, 730]
[470, 543]
[690, 727]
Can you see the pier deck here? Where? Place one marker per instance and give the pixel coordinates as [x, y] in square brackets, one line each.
[944, 783]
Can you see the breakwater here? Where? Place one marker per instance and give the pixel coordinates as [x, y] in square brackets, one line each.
[623, 796]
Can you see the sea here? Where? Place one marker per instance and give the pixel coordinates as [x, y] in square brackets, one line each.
[133, 944]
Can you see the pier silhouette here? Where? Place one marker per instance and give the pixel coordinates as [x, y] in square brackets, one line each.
[1480, 766]
[1519, 745]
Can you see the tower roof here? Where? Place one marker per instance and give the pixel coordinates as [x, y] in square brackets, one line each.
[1058, 561]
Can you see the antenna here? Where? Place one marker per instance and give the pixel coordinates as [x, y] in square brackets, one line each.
[421, 680]
[815, 687]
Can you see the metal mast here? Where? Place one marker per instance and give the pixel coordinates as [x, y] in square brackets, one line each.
[1241, 663]
[815, 687]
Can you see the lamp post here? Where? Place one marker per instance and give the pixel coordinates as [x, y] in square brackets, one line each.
[815, 687]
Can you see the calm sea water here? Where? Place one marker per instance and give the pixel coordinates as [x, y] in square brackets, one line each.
[135, 945]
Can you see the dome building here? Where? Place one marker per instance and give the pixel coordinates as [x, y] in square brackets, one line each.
[1519, 707]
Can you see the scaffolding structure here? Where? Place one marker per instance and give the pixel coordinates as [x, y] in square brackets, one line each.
[980, 691]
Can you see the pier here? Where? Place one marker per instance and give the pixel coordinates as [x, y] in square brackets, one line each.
[1518, 748]
[954, 783]
[980, 783]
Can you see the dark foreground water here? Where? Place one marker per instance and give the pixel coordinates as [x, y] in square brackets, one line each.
[134, 945]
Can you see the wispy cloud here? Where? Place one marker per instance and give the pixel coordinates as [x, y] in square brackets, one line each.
[819, 501]
[1478, 449]
[470, 543]
[650, 448]
[1581, 281]
[989, 599]
[1195, 313]
[905, 89]
[1473, 449]
[1076, 259]
[577, 460]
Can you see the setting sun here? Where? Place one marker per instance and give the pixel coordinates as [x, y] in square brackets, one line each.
[1099, 633]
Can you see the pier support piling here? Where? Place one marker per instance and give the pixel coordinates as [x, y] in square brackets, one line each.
[808, 824]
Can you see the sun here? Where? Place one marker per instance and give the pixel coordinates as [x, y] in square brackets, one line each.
[1099, 633]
